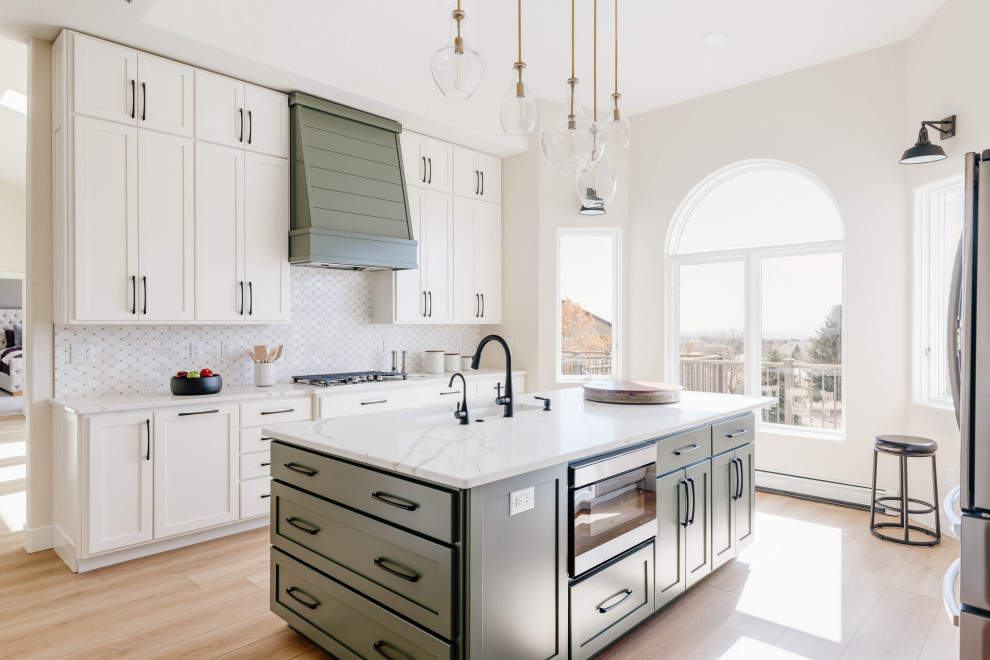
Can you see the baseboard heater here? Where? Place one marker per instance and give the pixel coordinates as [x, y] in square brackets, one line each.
[856, 496]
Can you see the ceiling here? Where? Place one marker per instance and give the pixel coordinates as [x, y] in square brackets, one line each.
[373, 55]
[13, 125]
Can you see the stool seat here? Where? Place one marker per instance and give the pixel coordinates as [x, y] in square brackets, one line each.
[905, 444]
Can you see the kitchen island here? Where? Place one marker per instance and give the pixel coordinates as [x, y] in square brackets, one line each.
[411, 535]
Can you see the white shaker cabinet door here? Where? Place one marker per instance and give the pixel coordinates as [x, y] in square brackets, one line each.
[104, 82]
[220, 287]
[165, 95]
[165, 227]
[488, 226]
[120, 478]
[414, 158]
[490, 168]
[105, 222]
[410, 286]
[267, 117]
[466, 292]
[196, 465]
[439, 164]
[220, 111]
[266, 237]
[437, 226]
[467, 176]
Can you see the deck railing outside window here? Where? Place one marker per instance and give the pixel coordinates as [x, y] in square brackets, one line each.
[586, 363]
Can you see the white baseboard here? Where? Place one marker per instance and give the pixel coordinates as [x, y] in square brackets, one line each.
[38, 538]
[855, 494]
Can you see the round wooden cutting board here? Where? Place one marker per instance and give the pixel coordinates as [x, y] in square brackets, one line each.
[632, 391]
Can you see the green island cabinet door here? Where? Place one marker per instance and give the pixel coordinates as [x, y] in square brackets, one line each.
[745, 518]
[697, 541]
[672, 509]
[724, 486]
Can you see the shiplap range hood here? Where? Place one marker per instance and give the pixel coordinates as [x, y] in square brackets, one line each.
[349, 207]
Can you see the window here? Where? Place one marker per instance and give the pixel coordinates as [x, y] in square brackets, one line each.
[756, 270]
[588, 290]
[941, 213]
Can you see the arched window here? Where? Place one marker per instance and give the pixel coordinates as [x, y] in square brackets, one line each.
[755, 258]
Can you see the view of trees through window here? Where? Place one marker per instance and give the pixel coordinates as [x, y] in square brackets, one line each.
[587, 282]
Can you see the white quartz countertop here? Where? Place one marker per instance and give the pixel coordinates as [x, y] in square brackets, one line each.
[430, 444]
[110, 403]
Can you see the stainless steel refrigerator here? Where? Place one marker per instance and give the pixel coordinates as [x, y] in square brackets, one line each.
[969, 366]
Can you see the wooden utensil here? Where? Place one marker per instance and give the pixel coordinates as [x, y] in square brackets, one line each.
[271, 355]
[250, 355]
[260, 352]
[279, 354]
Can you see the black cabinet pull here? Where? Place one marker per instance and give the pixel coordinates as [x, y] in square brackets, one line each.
[144, 101]
[603, 610]
[482, 184]
[371, 403]
[241, 138]
[266, 495]
[450, 392]
[276, 412]
[147, 426]
[735, 473]
[482, 305]
[291, 591]
[309, 530]
[424, 304]
[250, 298]
[133, 294]
[423, 178]
[477, 182]
[133, 99]
[742, 476]
[737, 433]
[250, 126]
[264, 439]
[392, 502]
[687, 504]
[301, 469]
[378, 646]
[477, 305]
[694, 500]
[405, 576]
[429, 163]
[430, 294]
[200, 412]
[686, 450]
[265, 464]
[242, 298]
[144, 285]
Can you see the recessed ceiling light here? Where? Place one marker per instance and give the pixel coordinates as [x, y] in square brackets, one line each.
[714, 39]
[15, 101]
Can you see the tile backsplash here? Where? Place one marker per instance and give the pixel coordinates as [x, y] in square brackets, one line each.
[331, 330]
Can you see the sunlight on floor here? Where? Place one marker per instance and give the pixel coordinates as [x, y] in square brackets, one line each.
[13, 450]
[13, 511]
[809, 600]
[747, 648]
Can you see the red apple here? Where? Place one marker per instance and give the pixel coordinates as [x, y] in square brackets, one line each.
[205, 373]
[182, 374]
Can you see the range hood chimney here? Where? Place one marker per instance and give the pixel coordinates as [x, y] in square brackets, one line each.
[349, 207]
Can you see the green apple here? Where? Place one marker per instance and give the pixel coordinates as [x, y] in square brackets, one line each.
[193, 374]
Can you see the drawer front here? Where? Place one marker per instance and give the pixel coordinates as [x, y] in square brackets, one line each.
[276, 411]
[609, 603]
[676, 451]
[363, 402]
[439, 393]
[734, 433]
[253, 440]
[256, 497]
[344, 623]
[404, 572]
[421, 508]
[256, 465]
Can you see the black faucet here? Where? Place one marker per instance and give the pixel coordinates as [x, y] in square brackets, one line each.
[462, 411]
[500, 400]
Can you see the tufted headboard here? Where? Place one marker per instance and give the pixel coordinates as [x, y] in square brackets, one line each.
[8, 318]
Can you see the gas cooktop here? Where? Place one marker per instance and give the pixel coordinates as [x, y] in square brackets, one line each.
[349, 378]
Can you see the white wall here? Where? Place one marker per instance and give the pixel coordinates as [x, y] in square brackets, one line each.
[13, 227]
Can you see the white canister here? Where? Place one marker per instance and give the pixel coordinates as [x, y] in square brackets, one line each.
[451, 362]
[264, 374]
[433, 362]
[466, 362]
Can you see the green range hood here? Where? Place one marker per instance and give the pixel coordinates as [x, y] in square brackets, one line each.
[348, 192]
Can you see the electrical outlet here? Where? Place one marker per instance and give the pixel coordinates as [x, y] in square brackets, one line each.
[195, 350]
[82, 354]
[226, 349]
[522, 500]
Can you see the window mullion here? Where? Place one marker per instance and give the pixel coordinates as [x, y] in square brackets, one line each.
[754, 346]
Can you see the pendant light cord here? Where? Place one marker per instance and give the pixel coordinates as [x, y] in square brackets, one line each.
[573, 80]
[594, 68]
[616, 46]
[519, 14]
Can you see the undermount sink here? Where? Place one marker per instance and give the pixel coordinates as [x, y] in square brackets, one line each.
[476, 412]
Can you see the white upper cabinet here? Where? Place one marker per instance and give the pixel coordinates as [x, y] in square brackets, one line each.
[123, 85]
[476, 263]
[266, 230]
[410, 303]
[413, 158]
[477, 175]
[437, 230]
[236, 114]
[427, 161]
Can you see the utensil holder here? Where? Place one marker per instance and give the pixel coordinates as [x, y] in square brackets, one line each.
[264, 374]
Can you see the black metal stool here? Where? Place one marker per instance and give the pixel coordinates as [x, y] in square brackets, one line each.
[905, 447]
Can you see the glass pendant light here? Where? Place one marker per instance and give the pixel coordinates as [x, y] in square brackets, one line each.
[457, 69]
[519, 105]
[569, 144]
[596, 186]
[617, 133]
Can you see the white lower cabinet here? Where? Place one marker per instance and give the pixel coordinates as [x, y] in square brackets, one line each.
[120, 481]
[196, 468]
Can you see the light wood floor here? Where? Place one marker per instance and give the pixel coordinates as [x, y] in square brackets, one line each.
[815, 585]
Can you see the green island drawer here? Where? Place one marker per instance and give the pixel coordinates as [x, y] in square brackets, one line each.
[404, 572]
[341, 621]
[609, 603]
[677, 451]
[734, 433]
[423, 508]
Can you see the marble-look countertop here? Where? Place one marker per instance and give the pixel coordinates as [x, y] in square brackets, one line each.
[110, 403]
[430, 444]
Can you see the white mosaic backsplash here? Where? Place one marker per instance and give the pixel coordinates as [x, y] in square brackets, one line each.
[331, 331]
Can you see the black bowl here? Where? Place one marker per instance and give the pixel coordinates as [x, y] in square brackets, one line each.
[201, 385]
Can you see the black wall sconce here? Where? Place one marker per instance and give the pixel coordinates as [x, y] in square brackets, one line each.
[924, 151]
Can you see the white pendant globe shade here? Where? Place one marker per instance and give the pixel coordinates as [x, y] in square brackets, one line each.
[518, 114]
[457, 69]
[573, 145]
[596, 187]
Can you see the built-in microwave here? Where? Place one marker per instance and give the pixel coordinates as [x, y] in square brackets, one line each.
[614, 506]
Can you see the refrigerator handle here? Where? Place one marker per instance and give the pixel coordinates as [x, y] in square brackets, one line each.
[949, 592]
[952, 330]
[949, 509]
